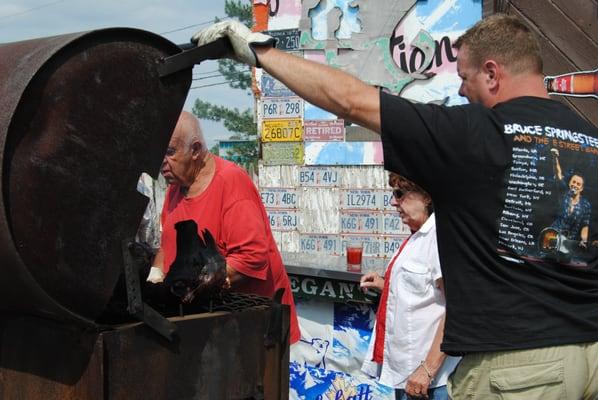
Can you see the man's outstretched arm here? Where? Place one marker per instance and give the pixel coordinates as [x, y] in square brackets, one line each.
[326, 87]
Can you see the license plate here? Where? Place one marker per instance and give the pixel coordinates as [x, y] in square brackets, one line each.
[386, 198]
[282, 153]
[282, 130]
[322, 244]
[283, 220]
[352, 222]
[279, 198]
[281, 107]
[361, 200]
[271, 87]
[390, 244]
[392, 224]
[313, 176]
[286, 39]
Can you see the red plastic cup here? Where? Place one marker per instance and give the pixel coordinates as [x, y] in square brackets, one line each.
[354, 256]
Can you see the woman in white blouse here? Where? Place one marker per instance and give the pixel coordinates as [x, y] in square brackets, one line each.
[404, 351]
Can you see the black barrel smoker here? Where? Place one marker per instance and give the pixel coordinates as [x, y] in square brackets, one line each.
[81, 117]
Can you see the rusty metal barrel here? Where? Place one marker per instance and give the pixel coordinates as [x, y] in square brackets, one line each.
[81, 117]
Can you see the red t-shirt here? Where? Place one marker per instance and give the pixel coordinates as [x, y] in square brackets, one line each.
[232, 210]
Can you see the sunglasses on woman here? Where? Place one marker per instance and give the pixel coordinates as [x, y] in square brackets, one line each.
[398, 193]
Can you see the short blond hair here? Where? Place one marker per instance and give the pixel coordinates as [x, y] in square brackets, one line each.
[505, 39]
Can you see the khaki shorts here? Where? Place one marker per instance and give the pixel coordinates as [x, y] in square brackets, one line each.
[548, 373]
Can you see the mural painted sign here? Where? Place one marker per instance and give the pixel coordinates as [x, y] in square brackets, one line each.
[326, 362]
[343, 153]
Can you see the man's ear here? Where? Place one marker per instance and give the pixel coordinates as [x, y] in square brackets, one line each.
[492, 73]
[196, 149]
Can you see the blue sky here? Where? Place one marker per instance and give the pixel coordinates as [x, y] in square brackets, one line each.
[28, 19]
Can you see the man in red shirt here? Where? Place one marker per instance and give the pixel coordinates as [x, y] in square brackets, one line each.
[220, 197]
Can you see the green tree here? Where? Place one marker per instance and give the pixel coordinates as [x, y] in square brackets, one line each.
[238, 76]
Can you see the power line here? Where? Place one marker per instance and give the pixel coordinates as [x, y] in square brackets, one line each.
[191, 26]
[204, 73]
[212, 84]
[32, 9]
[209, 77]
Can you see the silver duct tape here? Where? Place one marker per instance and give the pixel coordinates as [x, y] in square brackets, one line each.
[289, 242]
[288, 175]
[269, 175]
[278, 176]
[319, 209]
[363, 177]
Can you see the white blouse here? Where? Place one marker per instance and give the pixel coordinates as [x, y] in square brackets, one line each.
[414, 310]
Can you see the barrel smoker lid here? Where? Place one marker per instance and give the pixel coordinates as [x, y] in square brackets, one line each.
[81, 117]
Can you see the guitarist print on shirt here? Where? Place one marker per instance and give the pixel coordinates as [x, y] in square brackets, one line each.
[547, 212]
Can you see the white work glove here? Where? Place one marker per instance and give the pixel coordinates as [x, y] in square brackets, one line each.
[241, 38]
[155, 275]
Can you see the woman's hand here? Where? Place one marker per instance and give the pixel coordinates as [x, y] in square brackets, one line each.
[371, 280]
[418, 383]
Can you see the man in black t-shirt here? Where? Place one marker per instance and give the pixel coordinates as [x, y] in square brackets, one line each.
[525, 323]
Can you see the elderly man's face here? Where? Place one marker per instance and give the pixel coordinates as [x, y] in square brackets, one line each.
[177, 162]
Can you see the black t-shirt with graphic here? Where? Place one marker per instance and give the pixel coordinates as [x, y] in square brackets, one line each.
[513, 280]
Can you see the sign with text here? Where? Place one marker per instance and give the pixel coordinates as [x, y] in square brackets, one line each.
[282, 130]
[271, 87]
[360, 222]
[279, 197]
[281, 107]
[390, 244]
[319, 176]
[282, 153]
[392, 224]
[283, 220]
[363, 199]
[329, 289]
[323, 244]
[326, 130]
[286, 39]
